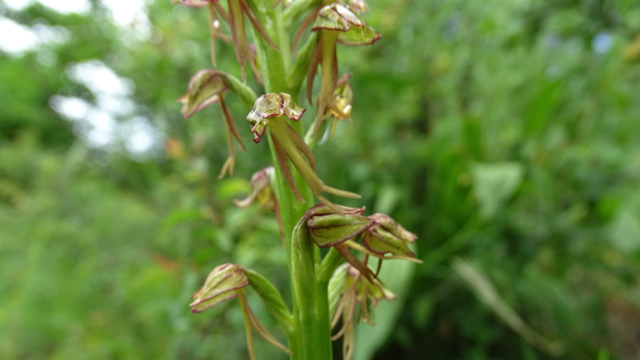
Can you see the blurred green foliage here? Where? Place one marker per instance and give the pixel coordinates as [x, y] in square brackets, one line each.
[505, 134]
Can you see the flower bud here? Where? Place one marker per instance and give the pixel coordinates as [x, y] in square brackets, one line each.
[328, 228]
[219, 286]
[205, 88]
[387, 236]
[227, 282]
[260, 190]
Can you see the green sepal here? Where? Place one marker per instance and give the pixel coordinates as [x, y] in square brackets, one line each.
[205, 88]
[387, 236]
[219, 286]
[359, 36]
[337, 17]
[329, 228]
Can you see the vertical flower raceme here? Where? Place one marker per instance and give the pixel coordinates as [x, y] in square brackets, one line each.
[358, 294]
[227, 282]
[270, 111]
[205, 88]
[336, 23]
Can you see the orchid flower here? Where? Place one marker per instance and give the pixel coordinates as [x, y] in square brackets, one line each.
[262, 192]
[207, 87]
[227, 282]
[336, 23]
[270, 111]
[361, 292]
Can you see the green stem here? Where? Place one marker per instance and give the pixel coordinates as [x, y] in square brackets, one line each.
[310, 339]
[311, 306]
[330, 263]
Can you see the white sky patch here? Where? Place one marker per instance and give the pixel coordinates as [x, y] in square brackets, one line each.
[126, 12]
[602, 43]
[102, 130]
[100, 79]
[141, 136]
[72, 107]
[67, 6]
[17, 4]
[98, 124]
[61, 6]
[22, 38]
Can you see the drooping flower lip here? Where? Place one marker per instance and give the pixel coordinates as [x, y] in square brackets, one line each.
[354, 31]
[259, 183]
[272, 105]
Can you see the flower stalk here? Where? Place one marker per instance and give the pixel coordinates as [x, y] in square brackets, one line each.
[322, 290]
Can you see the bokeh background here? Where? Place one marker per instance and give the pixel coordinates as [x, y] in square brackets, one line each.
[505, 133]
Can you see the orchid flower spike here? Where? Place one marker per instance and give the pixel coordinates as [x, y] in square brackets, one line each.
[227, 282]
[207, 87]
[336, 23]
[270, 111]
